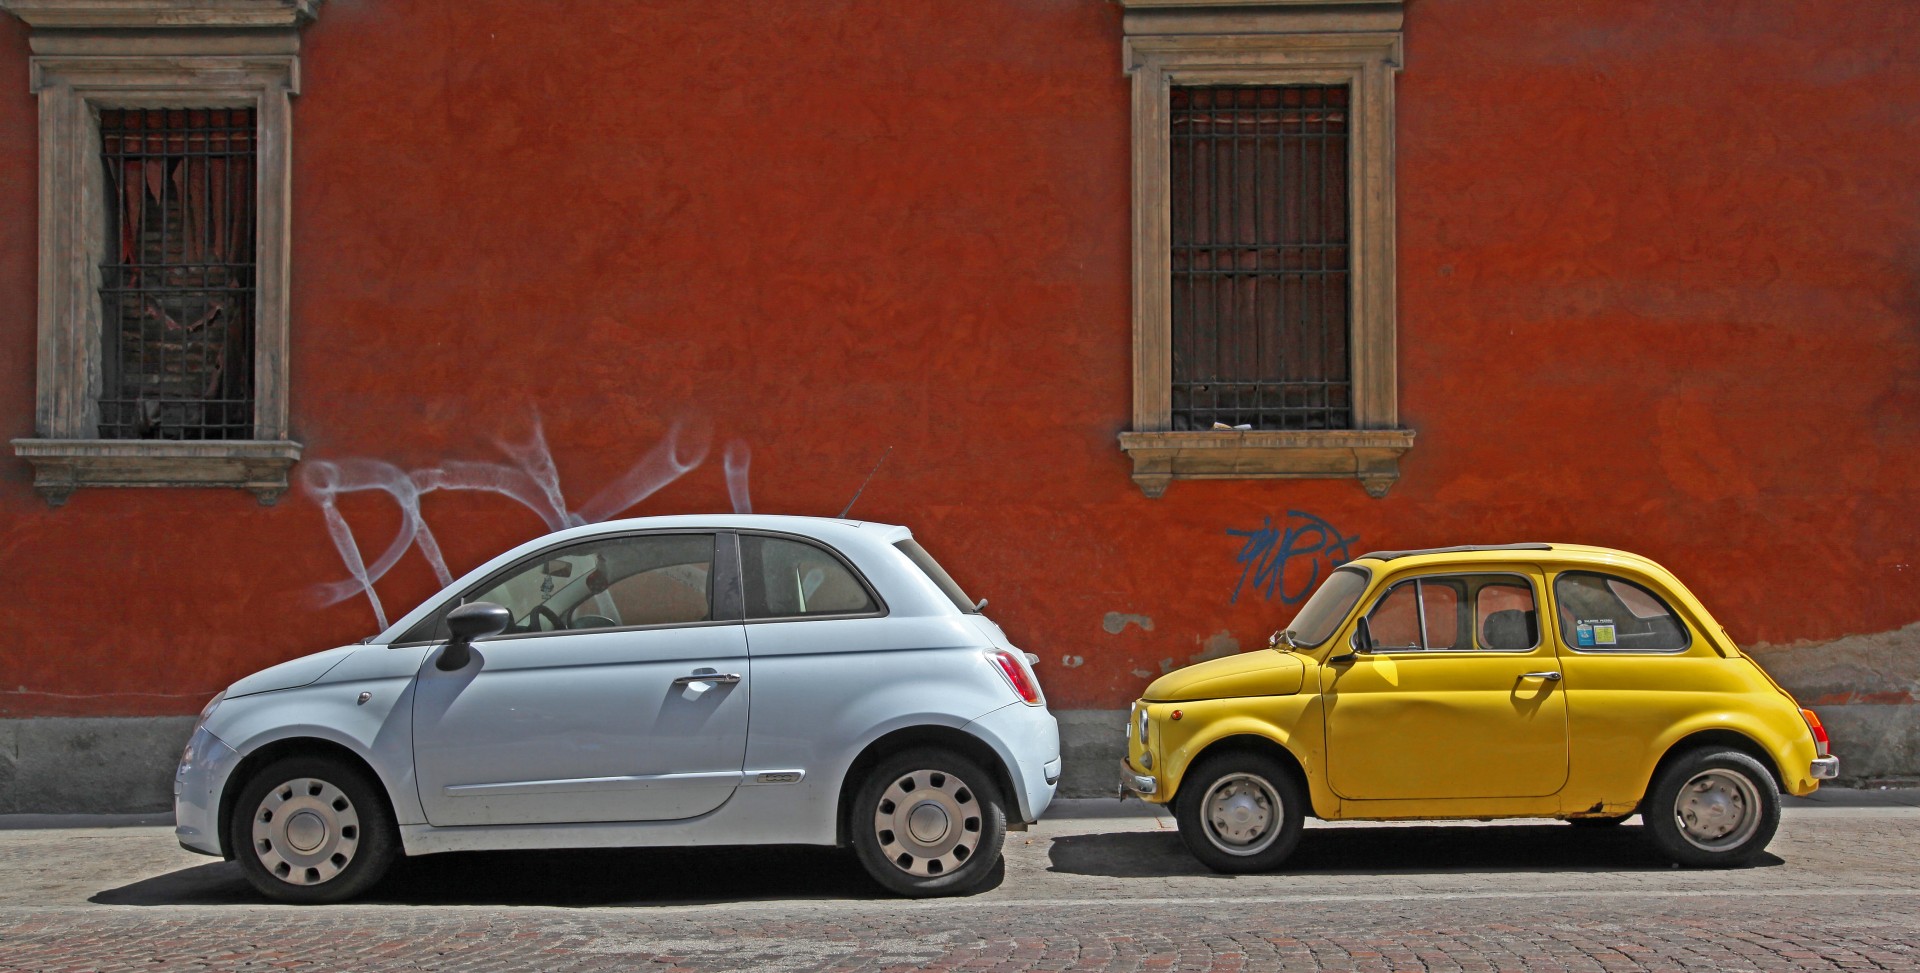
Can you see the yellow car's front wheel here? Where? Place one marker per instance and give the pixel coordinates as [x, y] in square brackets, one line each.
[1240, 812]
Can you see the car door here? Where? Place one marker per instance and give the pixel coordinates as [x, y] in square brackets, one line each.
[619, 694]
[1460, 697]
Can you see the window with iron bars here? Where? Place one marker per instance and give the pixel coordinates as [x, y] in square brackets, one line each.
[177, 288]
[1259, 210]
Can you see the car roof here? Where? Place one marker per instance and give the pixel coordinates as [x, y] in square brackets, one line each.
[1554, 553]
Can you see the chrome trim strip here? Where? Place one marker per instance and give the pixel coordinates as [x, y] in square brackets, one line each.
[580, 784]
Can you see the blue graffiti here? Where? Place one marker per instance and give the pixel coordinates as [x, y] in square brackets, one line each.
[1267, 550]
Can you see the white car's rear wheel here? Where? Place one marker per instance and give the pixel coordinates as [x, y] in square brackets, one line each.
[929, 822]
[311, 829]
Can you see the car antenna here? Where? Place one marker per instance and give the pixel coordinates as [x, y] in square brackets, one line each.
[863, 483]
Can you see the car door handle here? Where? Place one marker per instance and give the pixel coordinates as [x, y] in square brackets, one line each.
[726, 677]
[1548, 676]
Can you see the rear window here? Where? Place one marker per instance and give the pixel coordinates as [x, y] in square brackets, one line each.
[925, 562]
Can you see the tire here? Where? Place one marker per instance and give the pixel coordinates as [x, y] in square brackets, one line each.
[312, 830]
[1712, 809]
[1598, 824]
[1240, 812]
[928, 822]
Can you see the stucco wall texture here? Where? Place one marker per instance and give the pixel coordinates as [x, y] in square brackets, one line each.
[1659, 289]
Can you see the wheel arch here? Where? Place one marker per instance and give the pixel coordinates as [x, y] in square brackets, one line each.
[924, 735]
[1726, 737]
[296, 746]
[1247, 742]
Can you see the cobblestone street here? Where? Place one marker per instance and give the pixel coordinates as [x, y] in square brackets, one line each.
[1098, 886]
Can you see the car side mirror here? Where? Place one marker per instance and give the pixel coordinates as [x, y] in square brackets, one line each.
[1363, 636]
[469, 622]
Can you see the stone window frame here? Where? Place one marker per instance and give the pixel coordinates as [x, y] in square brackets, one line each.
[90, 55]
[1356, 43]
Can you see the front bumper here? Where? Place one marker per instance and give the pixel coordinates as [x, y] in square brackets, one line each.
[1825, 768]
[204, 767]
[1137, 784]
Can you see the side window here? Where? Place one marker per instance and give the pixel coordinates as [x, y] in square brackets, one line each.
[641, 579]
[1505, 618]
[1421, 614]
[1493, 612]
[788, 578]
[1602, 613]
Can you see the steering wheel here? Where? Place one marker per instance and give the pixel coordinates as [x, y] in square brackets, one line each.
[532, 620]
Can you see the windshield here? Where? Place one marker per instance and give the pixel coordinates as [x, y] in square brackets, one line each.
[925, 562]
[1328, 607]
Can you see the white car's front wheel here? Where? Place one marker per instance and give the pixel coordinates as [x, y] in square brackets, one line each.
[312, 830]
[928, 822]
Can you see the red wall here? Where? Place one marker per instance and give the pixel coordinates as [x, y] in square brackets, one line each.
[1658, 290]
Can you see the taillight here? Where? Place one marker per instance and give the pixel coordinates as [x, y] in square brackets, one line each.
[1820, 744]
[1017, 676]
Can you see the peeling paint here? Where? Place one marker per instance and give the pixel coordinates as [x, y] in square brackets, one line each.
[1115, 622]
[1217, 645]
[1142, 673]
[1166, 666]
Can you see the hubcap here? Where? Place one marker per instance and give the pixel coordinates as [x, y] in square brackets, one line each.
[1717, 810]
[1240, 813]
[305, 831]
[927, 822]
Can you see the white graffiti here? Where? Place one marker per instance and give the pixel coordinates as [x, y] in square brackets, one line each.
[531, 479]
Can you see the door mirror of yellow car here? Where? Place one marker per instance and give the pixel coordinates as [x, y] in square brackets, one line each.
[1363, 636]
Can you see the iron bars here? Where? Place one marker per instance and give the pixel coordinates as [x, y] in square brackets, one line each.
[177, 289]
[1260, 257]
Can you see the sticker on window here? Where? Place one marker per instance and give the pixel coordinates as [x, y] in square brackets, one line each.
[1591, 632]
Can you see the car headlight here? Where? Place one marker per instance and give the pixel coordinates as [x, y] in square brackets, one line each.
[1143, 726]
[212, 704]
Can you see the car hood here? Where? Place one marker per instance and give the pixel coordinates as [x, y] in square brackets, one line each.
[291, 674]
[1261, 673]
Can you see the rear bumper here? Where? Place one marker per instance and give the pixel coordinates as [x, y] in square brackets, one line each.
[1824, 768]
[1028, 741]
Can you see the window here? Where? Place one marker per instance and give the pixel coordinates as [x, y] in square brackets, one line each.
[1259, 257]
[1602, 613]
[1328, 607]
[938, 575]
[1418, 615]
[1263, 242]
[164, 184]
[792, 579]
[176, 289]
[1488, 612]
[618, 582]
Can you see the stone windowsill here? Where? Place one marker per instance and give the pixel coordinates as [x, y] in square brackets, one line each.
[1370, 455]
[61, 466]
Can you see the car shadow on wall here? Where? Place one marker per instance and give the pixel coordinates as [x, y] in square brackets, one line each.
[601, 877]
[1392, 849]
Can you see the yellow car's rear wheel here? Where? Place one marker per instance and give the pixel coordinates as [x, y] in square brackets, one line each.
[1712, 808]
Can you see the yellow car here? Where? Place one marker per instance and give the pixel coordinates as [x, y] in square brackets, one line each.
[1523, 680]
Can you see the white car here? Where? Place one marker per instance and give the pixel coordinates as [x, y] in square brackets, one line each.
[721, 680]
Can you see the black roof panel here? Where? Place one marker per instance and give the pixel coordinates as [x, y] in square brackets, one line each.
[1390, 555]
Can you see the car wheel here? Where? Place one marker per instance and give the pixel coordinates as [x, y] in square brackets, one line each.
[312, 830]
[928, 822]
[1713, 809]
[1599, 824]
[1240, 812]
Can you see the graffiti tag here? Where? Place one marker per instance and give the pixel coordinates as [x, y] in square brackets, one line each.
[1267, 551]
[531, 480]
